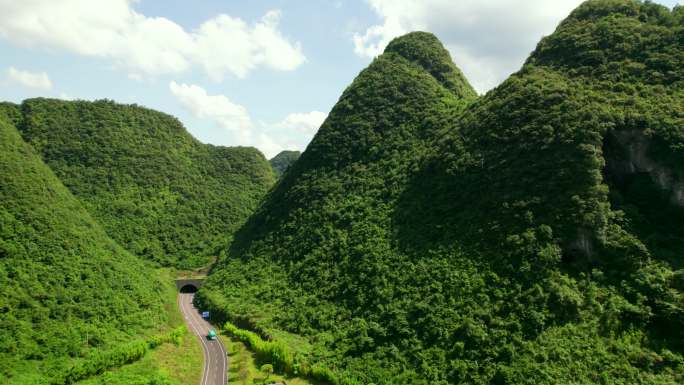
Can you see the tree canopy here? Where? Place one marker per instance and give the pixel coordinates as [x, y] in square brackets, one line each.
[156, 190]
[283, 160]
[67, 288]
[531, 235]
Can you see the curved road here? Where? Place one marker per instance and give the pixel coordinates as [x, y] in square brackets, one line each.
[215, 360]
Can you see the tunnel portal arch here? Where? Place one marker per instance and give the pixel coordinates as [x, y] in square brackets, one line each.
[188, 285]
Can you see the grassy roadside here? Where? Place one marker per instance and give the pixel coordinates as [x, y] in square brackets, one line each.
[183, 363]
[168, 364]
[245, 370]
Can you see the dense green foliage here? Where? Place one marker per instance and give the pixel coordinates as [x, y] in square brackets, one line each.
[156, 190]
[530, 236]
[267, 351]
[99, 361]
[278, 355]
[426, 51]
[281, 162]
[12, 112]
[67, 288]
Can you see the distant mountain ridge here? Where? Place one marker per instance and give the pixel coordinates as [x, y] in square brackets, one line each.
[283, 160]
[156, 190]
[531, 235]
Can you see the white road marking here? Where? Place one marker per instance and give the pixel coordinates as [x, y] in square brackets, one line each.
[195, 330]
[197, 326]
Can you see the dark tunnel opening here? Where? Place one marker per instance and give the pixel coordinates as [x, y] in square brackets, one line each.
[189, 288]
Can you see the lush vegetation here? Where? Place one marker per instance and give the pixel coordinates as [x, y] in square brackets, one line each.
[68, 290]
[142, 372]
[155, 189]
[99, 361]
[532, 235]
[247, 350]
[177, 363]
[281, 162]
[247, 369]
[112, 367]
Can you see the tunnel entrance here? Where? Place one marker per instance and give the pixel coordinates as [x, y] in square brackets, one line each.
[189, 285]
[189, 288]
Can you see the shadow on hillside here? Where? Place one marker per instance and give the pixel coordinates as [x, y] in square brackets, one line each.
[460, 211]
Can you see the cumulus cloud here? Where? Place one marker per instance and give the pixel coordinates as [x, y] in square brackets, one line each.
[294, 132]
[488, 39]
[216, 108]
[291, 133]
[261, 44]
[38, 80]
[306, 123]
[149, 45]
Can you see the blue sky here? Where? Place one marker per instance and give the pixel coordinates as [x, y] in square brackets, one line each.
[253, 73]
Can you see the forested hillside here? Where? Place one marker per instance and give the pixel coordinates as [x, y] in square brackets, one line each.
[67, 288]
[319, 257]
[156, 190]
[530, 236]
[283, 160]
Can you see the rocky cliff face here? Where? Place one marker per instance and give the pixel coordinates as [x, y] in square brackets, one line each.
[635, 158]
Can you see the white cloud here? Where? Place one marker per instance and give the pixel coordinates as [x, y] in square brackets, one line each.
[488, 39]
[216, 108]
[292, 132]
[148, 45]
[306, 123]
[269, 146]
[226, 44]
[38, 80]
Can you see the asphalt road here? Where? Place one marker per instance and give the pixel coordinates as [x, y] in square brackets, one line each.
[215, 360]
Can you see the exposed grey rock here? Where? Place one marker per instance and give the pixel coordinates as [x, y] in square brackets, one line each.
[637, 146]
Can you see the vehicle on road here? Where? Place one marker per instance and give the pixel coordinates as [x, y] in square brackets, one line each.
[211, 335]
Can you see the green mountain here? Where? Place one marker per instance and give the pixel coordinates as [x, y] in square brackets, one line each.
[67, 288]
[281, 162]
[319, 257]
[156, 190]
[533, 235]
